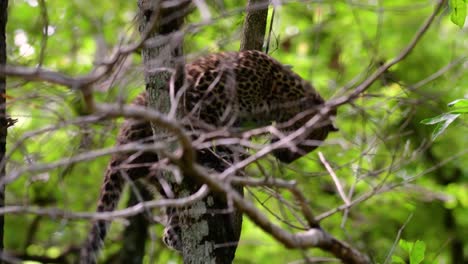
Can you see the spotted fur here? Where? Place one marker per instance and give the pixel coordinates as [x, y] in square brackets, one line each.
[234, 89]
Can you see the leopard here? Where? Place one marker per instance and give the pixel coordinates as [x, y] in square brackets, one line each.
[246, 89]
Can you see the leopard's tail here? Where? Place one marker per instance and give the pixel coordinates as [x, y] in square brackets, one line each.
[109, 197]
[122, 167]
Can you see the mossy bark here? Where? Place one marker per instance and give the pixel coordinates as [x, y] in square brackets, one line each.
[207, 236]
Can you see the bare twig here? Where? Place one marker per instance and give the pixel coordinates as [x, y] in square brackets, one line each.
[397, 239]
[118, 214]
[290, 185]
[337, 182]
[382, 69]
[312, 238]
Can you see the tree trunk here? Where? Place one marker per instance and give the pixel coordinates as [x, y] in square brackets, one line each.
[209, 230]
[3, 117]
[253, 34]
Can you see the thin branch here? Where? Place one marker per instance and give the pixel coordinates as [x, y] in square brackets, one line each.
[337, 182]
[139, 112]
[397, 239]
[289, 185]
[118, 214]
[385, 188]
[91, 155]
[382, 69]
[311, 238]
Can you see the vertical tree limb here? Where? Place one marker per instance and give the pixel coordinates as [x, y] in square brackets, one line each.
[210, 229]
[253, 34]
[155, 21]
[204, 236]
[3, 117]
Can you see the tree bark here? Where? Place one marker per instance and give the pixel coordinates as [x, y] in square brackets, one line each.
[154, 24]
[207, 234]
[206, 237]
[253, 34]
[3, 117]
[223, 230]
[199, 231]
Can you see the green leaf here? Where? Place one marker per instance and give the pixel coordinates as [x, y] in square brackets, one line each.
[398, 259]
[440, 128]
[462, 103]
[417, 252]
[459, 106]
[458, 15]
[437, 119]
[405, 245]
[462, 110]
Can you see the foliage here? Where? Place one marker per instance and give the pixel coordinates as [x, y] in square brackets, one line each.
[459, 106]
[458, 15]
[415, 251]
[335, 45]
